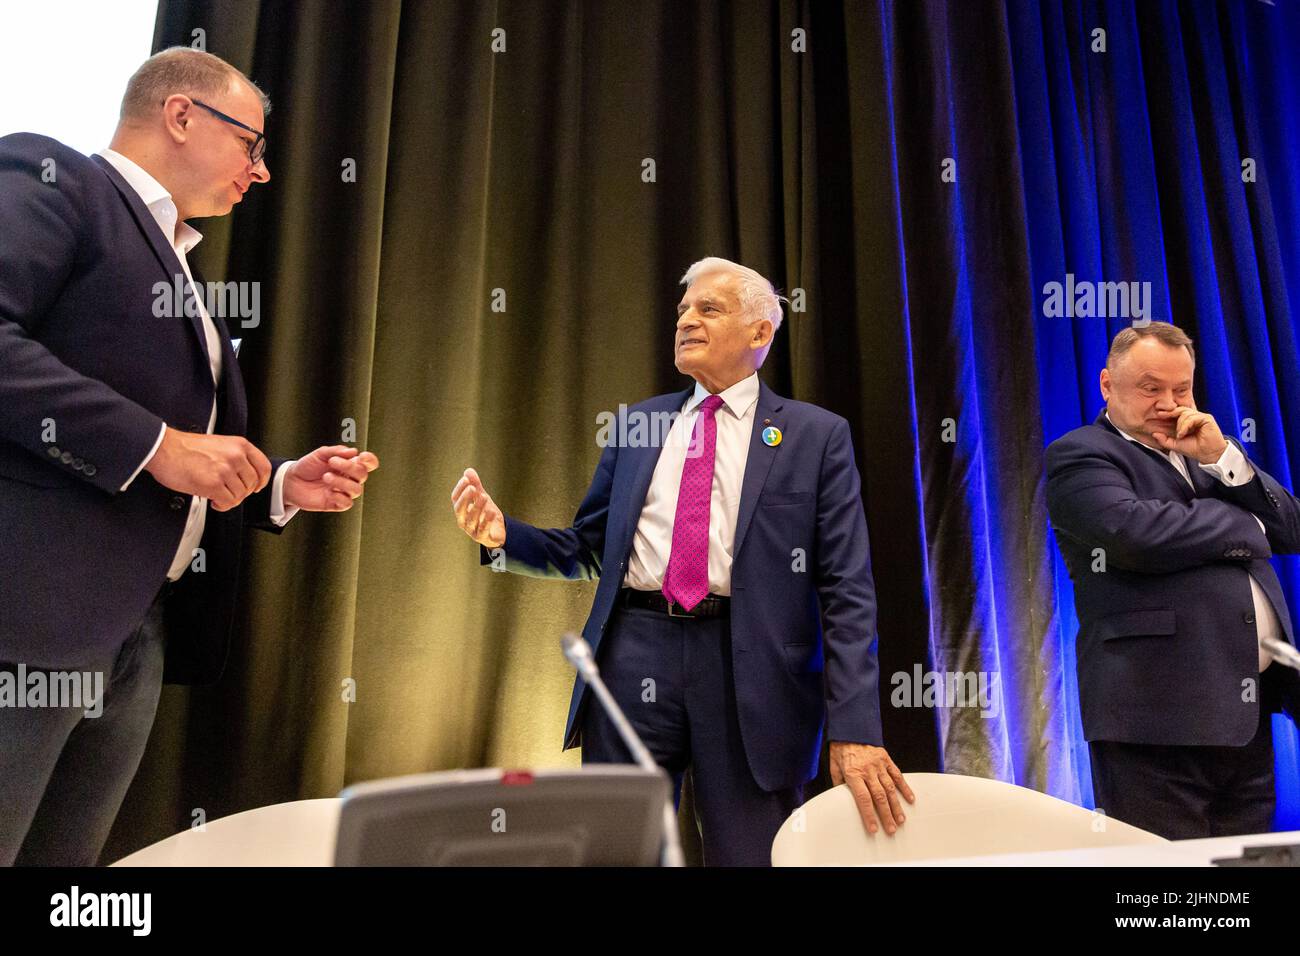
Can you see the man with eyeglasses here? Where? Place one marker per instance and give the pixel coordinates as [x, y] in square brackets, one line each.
[125, 478]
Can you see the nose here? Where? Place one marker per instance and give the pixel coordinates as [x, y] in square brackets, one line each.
[687, 321]
[261, 172]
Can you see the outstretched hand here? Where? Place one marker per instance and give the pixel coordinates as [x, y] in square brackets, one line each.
[329, 478]
[476, 513]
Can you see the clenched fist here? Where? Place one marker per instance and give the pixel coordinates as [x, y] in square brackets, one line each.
[225, 469]
[476, 512]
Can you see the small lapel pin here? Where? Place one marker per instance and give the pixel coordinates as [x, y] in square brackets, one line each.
[771, 436]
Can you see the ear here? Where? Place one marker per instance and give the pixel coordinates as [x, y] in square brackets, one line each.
[763, 333]
[1105, 384]
[178, 115]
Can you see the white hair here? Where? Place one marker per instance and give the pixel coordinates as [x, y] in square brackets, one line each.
[758, 298]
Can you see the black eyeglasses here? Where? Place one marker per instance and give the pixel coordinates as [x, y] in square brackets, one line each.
[257, 148]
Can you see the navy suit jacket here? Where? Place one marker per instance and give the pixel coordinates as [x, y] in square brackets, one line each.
[88, 374]
[802, 630]
[1167, 645]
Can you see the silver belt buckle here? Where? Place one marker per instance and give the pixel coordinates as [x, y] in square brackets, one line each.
[685, 613]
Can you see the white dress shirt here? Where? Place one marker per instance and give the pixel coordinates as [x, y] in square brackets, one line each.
[1232, 469]
[654, 530]
[182, 238]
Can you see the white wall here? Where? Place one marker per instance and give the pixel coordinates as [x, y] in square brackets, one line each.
[64, 65]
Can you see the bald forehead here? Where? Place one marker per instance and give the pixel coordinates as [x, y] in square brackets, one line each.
[242, 102]
[1151, 357]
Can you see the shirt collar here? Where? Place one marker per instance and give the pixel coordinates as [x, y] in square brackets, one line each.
[154, 194]
[737, 399]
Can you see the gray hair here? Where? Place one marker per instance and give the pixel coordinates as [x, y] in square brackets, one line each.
[758, 298]
[181, 69]
[1170, 335]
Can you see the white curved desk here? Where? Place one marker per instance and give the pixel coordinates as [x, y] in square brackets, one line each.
[300, 833]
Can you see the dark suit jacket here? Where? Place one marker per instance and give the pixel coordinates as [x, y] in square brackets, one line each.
[1167, 643]
[803, 641]
[88, 374]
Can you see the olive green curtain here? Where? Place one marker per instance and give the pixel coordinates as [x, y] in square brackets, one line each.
[470, 247]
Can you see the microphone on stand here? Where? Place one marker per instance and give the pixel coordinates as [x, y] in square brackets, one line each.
[579, 654]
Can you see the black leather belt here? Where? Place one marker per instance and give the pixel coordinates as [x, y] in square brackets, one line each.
[715, 605]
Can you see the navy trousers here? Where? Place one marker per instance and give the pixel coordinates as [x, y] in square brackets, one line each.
[672, 677]
[63, 774]
[1184, 793]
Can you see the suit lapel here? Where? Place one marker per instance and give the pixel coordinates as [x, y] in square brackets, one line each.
[1167, 467]
[224, 337]
[644, 460]
[166, 255]
[232, 403]
[759, 462]
[1203, 483]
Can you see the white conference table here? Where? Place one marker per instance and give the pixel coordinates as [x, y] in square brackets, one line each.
[1172, 853]
[301, 833]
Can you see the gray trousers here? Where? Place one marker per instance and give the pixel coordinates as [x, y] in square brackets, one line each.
[63, 774]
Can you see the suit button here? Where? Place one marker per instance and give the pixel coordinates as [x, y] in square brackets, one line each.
[53, 451]
[78, 463]
[66, 458]
[1249, 617]
[90, 470]
[177, 502]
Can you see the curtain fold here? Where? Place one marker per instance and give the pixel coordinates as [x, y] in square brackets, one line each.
[470, 247]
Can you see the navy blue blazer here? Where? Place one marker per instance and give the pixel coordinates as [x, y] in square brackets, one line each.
[1167, 648]
[803, 635]
[88, 374]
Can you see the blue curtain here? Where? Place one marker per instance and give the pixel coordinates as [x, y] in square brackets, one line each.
[1169, 159]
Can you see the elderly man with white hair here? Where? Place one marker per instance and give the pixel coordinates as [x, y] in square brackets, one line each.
[735, 615]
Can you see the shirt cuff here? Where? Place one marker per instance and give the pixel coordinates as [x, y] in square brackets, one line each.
[1232, 468]
[279, 514]
[147, 458]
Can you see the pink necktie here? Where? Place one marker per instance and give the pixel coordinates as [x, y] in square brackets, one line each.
[687, 579]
